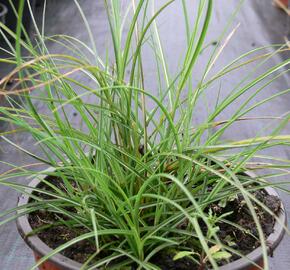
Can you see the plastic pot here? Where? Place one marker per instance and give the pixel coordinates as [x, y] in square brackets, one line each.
[282, 3]
[59, 262]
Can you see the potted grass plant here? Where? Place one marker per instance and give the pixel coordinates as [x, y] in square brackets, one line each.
[138, 185]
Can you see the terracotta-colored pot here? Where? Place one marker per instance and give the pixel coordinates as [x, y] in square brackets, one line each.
[48, 265]
[282, 3]
[59, 262]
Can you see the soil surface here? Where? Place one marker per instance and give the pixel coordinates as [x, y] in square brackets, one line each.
[55, 236]
[245, 240]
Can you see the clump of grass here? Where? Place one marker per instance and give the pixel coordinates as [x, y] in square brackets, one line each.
[136, 169]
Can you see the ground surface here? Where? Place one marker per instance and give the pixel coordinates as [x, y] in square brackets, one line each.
[260, 24]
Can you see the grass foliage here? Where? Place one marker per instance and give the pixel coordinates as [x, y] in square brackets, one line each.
[137, 167]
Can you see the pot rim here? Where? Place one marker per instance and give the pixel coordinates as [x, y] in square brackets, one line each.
[273, 239]
[38, 246]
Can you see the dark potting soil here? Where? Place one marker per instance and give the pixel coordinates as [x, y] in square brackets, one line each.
[244, 241]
